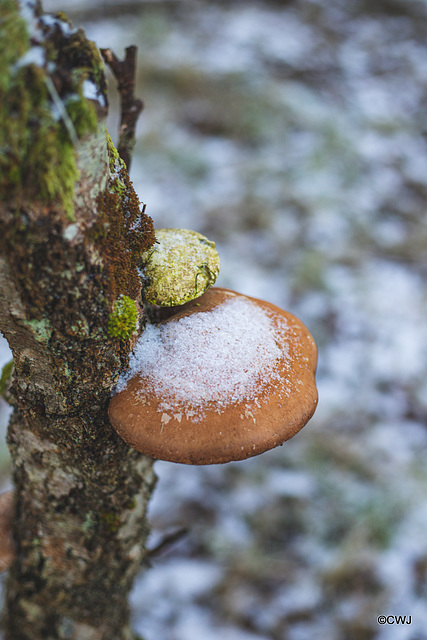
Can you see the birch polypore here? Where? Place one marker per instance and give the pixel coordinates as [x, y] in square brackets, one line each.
[233, 377]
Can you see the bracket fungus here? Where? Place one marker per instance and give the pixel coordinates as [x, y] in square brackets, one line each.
[181, 266]
[225, 378]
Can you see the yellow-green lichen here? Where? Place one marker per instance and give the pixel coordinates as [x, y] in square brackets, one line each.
[113, 155]
[89, 522]
[41, 328]
[117, 168]
[181, 266]
[123, 318]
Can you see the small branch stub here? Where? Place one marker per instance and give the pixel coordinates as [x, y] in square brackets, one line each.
[125, 71]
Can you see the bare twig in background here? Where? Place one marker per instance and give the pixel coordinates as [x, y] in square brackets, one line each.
[125, 71]
[166, 542]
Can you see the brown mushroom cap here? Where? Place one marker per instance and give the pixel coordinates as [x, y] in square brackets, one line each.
[238, 428]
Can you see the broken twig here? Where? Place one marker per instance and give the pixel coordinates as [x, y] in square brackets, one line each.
[125, 71]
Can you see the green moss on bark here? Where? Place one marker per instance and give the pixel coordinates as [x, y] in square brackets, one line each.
[123, 318]
[43, 111]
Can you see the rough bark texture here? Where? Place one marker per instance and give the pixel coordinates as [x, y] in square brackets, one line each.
[71, 232]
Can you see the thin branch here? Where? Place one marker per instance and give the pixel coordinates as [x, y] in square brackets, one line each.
[167, 541]
[125, 73]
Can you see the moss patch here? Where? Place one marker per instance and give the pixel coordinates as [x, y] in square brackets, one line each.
[43, 114]
[122, 321]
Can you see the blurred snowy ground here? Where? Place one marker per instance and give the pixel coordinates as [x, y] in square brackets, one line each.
[294, 135]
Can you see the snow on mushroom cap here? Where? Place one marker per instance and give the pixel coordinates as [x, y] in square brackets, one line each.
[225, 378]
[223, 356]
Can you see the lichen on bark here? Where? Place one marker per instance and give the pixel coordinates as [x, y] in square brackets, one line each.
[70, 242]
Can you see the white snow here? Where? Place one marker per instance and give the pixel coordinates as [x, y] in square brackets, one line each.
[54, 22]
[27, 11]
[36, 55]
[296, 484]
[223, 355]
[92, 92]
[199, 577]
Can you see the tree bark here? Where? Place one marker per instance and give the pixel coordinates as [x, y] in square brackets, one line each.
[71, 233]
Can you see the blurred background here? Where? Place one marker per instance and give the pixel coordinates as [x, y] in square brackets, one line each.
[293, 134]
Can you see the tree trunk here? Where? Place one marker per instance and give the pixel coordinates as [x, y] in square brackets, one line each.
[71, 233]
